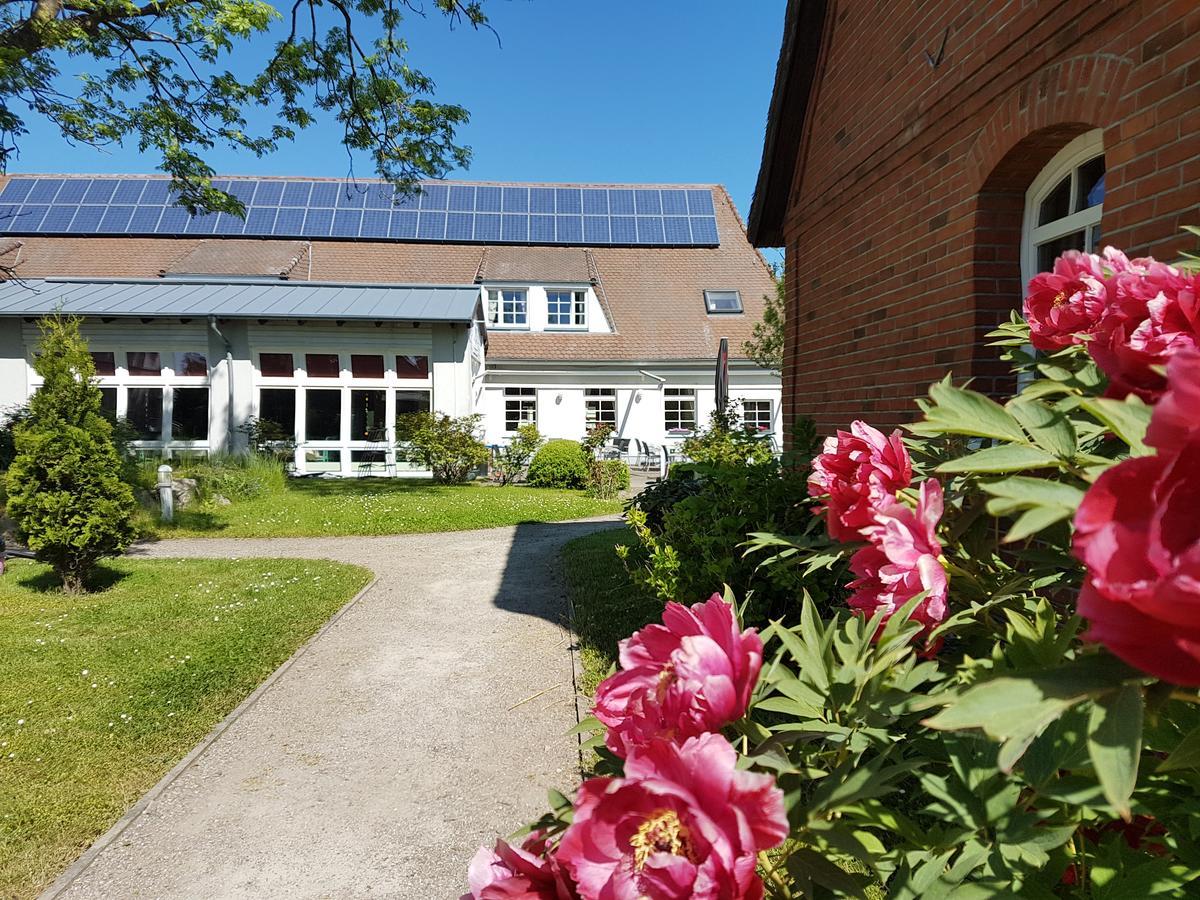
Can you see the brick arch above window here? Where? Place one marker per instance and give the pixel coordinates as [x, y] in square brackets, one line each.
[1039, 116]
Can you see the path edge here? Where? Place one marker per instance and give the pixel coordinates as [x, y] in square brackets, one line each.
[71, 874]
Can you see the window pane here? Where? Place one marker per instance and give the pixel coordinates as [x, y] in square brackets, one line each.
[366, 366]
[322, 365]
[191, 364]
[723, 301]
[322, 415]
[1048, 252]
[278, 406]
[323, 460]
[412, 366]
[276, 365]
[143, 363]
[106, 363]
[756, 415]
[1057, 204]
[189, 414]
[145, 412]
[108, 402]
[367, 415]
[599, 407]
[520, 406]
[411, 402]
[1090, 184]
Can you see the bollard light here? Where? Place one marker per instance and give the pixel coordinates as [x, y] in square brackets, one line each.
[166, 496]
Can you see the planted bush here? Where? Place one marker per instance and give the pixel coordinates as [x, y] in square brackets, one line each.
[1006, 705]
[607, 478]
[726, 442]
[559, 464]
[449, 447]
[64, 490]
[510, 462]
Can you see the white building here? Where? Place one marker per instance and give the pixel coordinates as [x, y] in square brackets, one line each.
[331, 308]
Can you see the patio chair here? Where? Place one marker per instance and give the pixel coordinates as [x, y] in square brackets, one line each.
[643, 454]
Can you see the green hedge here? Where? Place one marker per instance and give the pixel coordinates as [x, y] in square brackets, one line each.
[559, 464]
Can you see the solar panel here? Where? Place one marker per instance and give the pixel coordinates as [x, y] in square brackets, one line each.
[438, 211]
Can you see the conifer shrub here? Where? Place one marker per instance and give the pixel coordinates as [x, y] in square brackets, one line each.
[65, 493]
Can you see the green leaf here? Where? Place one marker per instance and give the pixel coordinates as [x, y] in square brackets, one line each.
[1184, 756]
[1005, 458]
[958, 411]
[1023, 492]
[1049, 428]
[1128, 420]
[1032, 521]
[1115, 744]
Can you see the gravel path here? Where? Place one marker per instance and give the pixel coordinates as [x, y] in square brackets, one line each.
[427, 718]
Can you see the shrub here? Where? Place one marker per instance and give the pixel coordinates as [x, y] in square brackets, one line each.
[1007, 706]
[64, 492]
[448, 447]
[9, 420]
[607, 478]
[510, 462]
[692, 539]
[726, 442]
[559, 464]
[267, 438]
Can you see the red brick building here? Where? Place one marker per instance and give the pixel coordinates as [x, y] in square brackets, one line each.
[924, 160]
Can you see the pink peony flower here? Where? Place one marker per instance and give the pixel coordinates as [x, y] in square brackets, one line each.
[903, 560]
[1138, 533]
[1066, 303]
[1153, 313]
[860, 471]
[690, 675]
[530, 872]
[1176, 417]
[684, 822]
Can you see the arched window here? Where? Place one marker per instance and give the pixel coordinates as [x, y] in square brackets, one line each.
[1064, 205]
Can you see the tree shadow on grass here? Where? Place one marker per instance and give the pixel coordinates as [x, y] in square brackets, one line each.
[44, 581]
[189, 519]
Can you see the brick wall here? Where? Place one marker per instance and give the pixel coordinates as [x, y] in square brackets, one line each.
[904, 221]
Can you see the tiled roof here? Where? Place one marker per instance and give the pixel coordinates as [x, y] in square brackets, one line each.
[653, 295]
[273, 259]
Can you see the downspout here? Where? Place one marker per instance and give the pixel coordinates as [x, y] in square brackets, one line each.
[212, 323]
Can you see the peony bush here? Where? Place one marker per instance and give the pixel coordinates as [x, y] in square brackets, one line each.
[1006, 704]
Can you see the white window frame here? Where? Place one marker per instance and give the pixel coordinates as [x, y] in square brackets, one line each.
[503, 311]
[166, 381]
[576, 309]
[599, 407]
[1064, 164]
[522, 400]
[757, 425]
[711, 296]
[675, 400]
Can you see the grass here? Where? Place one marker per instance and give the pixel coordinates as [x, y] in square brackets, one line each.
[101, 694]
[366, 506]
[608, 607]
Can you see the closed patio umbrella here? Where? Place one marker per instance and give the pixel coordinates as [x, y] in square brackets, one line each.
[722, 377]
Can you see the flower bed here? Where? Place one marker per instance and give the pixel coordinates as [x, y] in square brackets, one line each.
[1007, 704]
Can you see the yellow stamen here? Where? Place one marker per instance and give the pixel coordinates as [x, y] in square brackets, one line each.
[661, 833]
[1060, 298]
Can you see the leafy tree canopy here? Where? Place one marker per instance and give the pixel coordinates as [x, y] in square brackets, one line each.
[765, 345]
[155, 72]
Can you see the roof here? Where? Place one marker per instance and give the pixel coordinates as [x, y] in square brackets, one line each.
[270, 259]
[146, 297]
[652, 296]
[795, 72]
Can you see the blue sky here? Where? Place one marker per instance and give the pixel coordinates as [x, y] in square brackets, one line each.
[620, 90]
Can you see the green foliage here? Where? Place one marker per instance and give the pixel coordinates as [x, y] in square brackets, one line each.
[510, 462]
[559, 464]
[64, 489]
[448, 447]
[267, 438]
[607, 478]
[726, 443]
[234, 477]
[9, 420]
[155, 74]
[766, 342]
[692, 530]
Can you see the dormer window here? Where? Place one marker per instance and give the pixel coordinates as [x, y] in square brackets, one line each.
[566, 309]
[508, 308]
[723, 301]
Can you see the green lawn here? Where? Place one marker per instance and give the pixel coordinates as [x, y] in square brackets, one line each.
[101, 694]
[314, 507]
[608, 607]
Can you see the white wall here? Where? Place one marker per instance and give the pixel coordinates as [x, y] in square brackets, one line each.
[14, 373]
[640, 397]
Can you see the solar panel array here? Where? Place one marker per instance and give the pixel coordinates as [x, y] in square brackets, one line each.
[441, 212]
